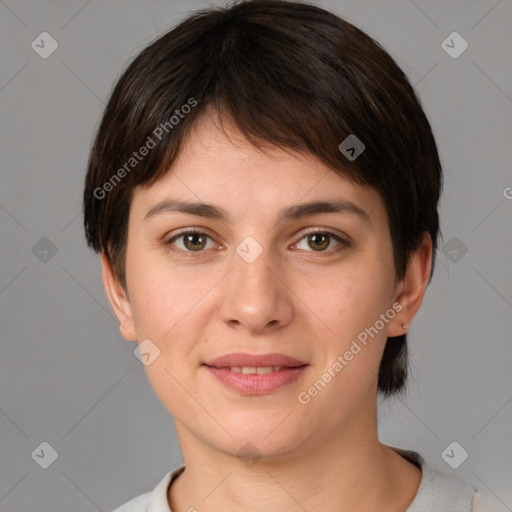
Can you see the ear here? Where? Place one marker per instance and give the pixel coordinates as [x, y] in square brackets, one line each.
[413, 286]
[118, 300]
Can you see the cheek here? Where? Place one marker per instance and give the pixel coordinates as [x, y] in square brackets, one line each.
[347, 304]
[170, 307]
[159, 297]
[350, 306]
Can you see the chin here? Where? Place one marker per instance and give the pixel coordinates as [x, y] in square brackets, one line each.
[272, 434]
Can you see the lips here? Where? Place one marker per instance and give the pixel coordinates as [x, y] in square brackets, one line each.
[255, 374]
[240, 359]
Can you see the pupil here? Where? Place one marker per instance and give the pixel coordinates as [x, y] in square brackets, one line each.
[318, 238]
[195, 244]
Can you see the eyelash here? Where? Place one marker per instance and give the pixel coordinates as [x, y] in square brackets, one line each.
[342, 243]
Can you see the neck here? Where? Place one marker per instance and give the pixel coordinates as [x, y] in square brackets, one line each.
[347, 470]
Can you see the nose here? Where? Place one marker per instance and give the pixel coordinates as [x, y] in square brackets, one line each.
[256, 297]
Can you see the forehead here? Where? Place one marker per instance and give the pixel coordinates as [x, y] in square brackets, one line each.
[218, 165]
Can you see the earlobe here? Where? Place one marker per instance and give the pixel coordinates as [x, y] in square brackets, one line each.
[118, 301]
[413, 287]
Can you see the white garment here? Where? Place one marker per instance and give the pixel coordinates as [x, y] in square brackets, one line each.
[438, 492]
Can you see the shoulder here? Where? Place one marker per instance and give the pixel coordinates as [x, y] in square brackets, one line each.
[138, 504]
[155, 500]
[438, 490]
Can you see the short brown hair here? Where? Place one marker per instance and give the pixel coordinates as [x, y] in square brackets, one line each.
[289, 74]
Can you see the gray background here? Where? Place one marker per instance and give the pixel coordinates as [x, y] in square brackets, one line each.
[68, 378]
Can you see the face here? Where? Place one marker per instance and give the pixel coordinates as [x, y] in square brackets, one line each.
[270, 284]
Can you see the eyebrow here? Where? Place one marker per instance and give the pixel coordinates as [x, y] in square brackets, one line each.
[298, 211]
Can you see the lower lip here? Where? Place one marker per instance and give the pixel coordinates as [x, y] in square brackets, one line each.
[256, 384]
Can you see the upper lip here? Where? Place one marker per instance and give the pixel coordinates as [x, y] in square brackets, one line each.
[240, 359]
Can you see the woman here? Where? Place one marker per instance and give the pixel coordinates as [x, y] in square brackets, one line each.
[263, 190]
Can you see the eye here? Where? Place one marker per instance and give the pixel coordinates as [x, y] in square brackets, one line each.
[319, 241]
[193, 241]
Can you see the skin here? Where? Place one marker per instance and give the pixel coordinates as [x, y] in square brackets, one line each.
[304, 302]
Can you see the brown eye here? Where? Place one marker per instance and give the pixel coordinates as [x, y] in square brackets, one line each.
[192, 241]
[319, 241]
